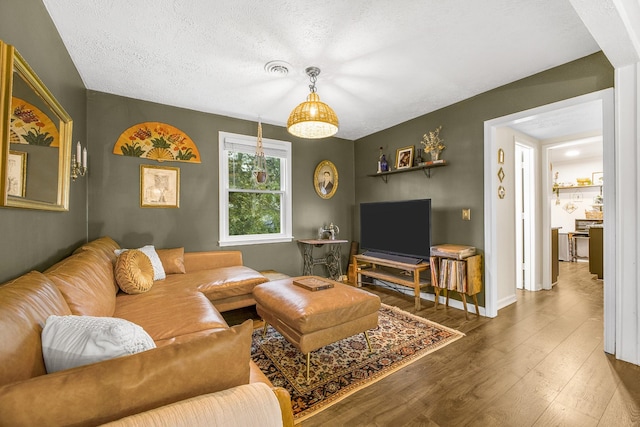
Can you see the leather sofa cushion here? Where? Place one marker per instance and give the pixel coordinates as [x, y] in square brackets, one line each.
[25, 305]
[188, 336]
[218, 283]
[207, 260]
[105, 246]
[134, 272]
[87, 283]
[167, 314]
[116, 388]
[172, 260]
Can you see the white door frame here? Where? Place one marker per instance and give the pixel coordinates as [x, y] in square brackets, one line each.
[525, 216]
[491, 196]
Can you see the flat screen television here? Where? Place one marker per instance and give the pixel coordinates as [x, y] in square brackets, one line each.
[400, 229]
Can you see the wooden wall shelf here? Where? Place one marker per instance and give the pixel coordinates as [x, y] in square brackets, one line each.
[425, 168]
[577, 187]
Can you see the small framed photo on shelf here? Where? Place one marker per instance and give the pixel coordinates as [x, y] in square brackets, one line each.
[597, 178]
[159, 187]
[404, 157]
[17, 173]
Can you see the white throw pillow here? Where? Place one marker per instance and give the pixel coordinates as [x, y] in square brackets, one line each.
[70, 341]
[150, 251]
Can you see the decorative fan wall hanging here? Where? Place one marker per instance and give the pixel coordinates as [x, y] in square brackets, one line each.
[29, 125]
[157, 141]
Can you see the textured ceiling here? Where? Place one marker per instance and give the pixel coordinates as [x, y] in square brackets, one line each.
[576, 128]
[382, 62]
[581, 118]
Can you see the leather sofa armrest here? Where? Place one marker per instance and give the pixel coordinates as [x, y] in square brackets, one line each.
[257, 376]
[102, 392]
[284, 399]
[194, 261]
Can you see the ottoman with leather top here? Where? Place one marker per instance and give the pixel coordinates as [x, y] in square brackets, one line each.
[313, 319]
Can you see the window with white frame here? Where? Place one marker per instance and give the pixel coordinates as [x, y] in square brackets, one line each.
[252, 213]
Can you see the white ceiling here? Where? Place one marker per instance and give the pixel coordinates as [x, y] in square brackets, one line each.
[382, 62]
[575, 129]
[587, 148]
[581, 118]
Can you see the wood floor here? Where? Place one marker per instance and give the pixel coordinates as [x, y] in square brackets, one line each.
[539, 363]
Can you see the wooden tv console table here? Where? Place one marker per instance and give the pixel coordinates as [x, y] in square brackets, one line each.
[401, 274]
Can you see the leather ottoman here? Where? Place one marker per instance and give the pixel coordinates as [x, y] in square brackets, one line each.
[312, 319]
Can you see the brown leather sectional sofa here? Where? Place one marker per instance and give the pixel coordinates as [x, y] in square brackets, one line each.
[197, 352]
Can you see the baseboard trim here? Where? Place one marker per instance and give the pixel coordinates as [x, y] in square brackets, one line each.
[502, 303]
[453, 303]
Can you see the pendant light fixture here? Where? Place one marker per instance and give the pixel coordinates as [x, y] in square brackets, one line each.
[313, 119]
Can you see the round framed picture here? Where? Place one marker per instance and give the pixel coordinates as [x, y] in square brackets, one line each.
[325, 179]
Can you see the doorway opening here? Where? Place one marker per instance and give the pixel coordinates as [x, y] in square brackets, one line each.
[499, 253]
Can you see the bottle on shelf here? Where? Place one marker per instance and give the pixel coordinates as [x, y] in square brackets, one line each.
[419, 157]
[384, 165]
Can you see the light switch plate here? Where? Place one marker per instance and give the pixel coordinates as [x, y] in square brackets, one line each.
[466, 214]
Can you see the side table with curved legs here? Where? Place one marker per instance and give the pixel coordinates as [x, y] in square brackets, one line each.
[332, 257]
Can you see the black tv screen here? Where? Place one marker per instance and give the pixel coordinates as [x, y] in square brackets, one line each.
[397, 228]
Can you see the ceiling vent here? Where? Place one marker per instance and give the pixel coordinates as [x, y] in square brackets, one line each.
[277, 68]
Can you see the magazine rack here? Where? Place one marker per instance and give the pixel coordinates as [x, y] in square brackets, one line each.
[456, 268]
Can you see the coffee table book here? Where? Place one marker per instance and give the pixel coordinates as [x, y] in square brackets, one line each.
[313, 284]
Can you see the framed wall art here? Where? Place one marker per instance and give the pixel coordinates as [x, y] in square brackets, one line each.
[597, 178]
[159, 187]
[325, 179]
[404, 157]
[577, 196]
[17, 173]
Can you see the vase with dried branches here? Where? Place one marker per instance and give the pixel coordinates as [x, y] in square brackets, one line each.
[433, 143]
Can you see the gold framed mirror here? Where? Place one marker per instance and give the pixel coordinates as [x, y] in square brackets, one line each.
[35, 139]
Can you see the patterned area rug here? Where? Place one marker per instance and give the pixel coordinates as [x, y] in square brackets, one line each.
[342, 368]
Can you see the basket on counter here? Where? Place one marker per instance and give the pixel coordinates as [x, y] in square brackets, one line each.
[594, 214]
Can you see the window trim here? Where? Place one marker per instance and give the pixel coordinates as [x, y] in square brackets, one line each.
[286, 217]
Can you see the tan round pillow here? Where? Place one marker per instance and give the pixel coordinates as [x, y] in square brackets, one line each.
[134, 272]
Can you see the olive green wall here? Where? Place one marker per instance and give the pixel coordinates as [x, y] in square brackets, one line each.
[32, 239]
[114, 184]
[108, 198]
[460, 184]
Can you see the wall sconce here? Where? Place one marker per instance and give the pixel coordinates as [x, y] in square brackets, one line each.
[79, 162]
